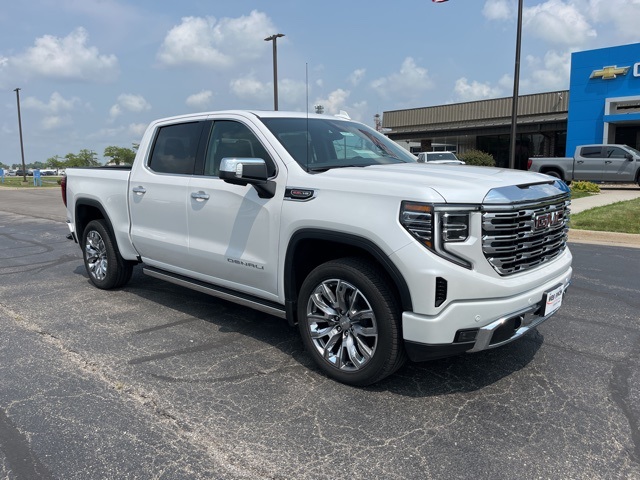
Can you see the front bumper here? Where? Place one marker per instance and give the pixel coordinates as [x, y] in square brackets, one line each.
[525, 312]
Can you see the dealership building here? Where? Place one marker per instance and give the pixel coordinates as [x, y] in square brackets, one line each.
[602, 105]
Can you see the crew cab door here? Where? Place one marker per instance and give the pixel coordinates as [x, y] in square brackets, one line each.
[233, 233]
[617, 166]
[158, 197]
[588, 164]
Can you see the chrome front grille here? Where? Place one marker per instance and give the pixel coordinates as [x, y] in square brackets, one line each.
[517, 238]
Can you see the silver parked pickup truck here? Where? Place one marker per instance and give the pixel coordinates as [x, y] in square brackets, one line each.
[595, 163]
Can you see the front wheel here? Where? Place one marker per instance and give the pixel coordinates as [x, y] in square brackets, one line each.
[106, 268]
[349, 321]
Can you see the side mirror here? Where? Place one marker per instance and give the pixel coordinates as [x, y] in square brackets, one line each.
[629, 157]
[248, 171]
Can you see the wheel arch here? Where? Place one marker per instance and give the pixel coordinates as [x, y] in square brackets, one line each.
[88, 209]
[309, 248]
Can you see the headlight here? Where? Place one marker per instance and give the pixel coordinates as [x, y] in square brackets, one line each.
[435, 226]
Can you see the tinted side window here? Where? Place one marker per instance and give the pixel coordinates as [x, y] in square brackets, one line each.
[175, 148]
[615, 152]
[231, 139]
[591, 152]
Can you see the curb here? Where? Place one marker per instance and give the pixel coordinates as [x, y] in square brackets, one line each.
[612, 239]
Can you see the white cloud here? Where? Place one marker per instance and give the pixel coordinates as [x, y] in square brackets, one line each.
[552, 72]
[57, 103]
[55, 122]
[336, 101]
[498, 9]
[623, 14]
[475, 90]
[137, 129]
[200, 100]
[52, 110]
[249, 88]
[292, 94]
[216, 44]
[68, 58]
[558, 22]
[130, 103]
[356, 76]
[406, 85]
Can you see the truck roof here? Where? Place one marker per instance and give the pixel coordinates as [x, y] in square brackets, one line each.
[259, 113]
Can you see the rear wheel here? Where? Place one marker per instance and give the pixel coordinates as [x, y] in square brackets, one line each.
[349, 321]
[106, 268]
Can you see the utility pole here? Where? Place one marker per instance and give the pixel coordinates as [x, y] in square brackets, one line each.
[516, 82]
[24, 169]
[275, 67]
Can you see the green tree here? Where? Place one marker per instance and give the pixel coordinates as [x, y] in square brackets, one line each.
[120, 155]
[34, 165]
[85, 158]
[55, 162]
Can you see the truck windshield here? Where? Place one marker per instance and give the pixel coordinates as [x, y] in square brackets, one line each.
[320, 144]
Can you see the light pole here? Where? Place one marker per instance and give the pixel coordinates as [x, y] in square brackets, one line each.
[274, 38]
[24, 169]
[516, 82]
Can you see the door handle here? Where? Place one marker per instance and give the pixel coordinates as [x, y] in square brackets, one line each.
[580, 161]
[608, 161]
[200, 196]
[139, 190]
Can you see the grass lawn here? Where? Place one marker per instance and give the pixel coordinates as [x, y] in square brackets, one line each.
[579, 194]
[47, 181]
[623, 217]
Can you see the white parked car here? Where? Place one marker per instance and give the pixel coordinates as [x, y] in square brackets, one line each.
[439, 157]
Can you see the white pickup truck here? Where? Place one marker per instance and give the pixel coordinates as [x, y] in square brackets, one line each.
[327, 223]
[595, 163]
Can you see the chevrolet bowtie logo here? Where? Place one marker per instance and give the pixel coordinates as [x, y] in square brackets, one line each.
[607, 73]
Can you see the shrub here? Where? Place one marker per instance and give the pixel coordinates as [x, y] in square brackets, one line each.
[582, 186]
[477, 157]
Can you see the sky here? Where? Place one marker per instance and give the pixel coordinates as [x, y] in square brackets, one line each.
[95, 73]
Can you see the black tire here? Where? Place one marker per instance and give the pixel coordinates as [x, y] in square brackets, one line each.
[106, 268]
[350, 320]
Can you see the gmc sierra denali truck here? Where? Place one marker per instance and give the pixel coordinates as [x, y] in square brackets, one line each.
[594, 163]
[327, 223]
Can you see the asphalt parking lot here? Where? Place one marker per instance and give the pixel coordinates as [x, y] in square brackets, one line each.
[156, 381]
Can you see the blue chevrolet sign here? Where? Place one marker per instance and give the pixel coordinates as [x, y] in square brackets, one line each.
[604, 97]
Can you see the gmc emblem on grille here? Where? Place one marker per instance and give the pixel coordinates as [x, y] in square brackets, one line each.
[546, 220]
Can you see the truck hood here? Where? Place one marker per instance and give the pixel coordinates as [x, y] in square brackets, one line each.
[455, 183]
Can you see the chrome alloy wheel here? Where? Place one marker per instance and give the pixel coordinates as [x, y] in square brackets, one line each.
[342, 325]
[96, 255]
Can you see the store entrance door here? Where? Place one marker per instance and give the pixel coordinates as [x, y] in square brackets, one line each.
[628, 135]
